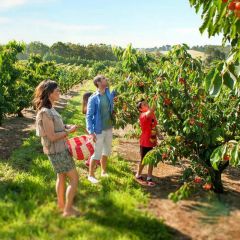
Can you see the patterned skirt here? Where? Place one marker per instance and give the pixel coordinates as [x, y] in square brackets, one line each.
[62, 162]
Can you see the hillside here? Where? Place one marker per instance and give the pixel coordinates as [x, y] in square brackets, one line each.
[194, 53]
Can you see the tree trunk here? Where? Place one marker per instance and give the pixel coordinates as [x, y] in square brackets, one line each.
[217, 181]
[217, 177]
[19, 113]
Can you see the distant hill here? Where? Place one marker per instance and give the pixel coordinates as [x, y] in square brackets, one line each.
[194, 53]
[197, 54]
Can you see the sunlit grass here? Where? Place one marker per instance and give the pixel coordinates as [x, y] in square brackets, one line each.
[110, 210]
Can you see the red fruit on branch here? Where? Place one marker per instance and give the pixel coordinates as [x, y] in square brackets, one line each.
[197, 180]
[182, 80]
[192, 121]
[237, 6]
[200, 124]
[224, 1]
[167, 101]
[231, 5]
[207, 186]
[226, 157]
[164, 155]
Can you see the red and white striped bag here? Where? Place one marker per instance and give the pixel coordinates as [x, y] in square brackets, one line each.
[81, 147]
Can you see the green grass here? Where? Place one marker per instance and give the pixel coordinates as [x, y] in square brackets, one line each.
[111, 210]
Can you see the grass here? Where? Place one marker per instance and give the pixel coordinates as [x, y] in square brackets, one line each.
[111, 210]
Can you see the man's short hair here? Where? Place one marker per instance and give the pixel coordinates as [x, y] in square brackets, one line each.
[98, 79]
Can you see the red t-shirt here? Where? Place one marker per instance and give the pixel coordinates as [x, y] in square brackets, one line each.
[148, 125]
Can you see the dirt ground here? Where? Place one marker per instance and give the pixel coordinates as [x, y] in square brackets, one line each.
[14, 129]
[204, 216]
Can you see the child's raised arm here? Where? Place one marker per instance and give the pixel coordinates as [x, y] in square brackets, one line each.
[150, 111]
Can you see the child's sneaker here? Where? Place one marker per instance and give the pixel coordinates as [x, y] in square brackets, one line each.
[140, 180]
[150, 182]
[92, 180]
[139, 177]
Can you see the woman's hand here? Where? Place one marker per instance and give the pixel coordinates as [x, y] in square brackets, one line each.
[71, 129]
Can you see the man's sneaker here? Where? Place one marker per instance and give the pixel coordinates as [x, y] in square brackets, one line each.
[92, 180]
[104, 175]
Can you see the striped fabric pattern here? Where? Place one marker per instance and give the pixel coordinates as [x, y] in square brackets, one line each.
[81, 147]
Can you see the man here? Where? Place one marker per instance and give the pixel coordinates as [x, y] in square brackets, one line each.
[99, 125]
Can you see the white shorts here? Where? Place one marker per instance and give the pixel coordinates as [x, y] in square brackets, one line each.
[103, 144]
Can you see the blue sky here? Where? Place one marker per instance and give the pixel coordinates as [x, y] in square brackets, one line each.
[144, 23]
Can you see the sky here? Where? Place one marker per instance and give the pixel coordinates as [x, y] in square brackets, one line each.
[144, 23]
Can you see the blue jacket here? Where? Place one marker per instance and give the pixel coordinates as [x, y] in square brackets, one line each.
[93, 116]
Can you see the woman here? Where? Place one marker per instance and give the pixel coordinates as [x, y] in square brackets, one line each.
[53, 135]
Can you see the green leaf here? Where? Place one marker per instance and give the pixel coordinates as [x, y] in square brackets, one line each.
[237, 70]
[235, 159]
[216, 85]
[207, 20]
[152, 156]
[228, 81]
[216, 156]
[209, 78]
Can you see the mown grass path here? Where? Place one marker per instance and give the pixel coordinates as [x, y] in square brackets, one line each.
[110, 210]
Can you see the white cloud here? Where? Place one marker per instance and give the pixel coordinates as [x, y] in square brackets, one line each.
[4, 20]
[8, 4]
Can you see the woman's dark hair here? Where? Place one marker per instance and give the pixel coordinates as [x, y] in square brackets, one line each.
[139, 104]
[42, 92]
[85, 101]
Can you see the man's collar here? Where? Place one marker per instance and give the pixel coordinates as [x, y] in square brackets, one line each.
[98, 91]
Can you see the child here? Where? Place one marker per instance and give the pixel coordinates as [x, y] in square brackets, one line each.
[148, 139]
[85, 101]
[84, 110]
